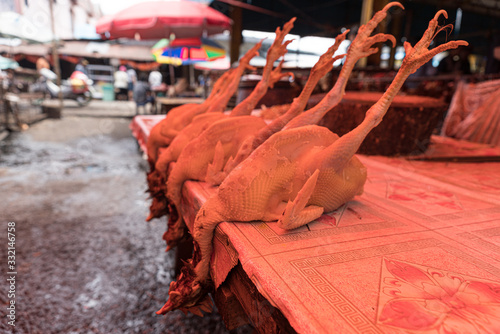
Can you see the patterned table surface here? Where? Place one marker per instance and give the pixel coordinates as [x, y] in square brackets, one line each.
[418, 252]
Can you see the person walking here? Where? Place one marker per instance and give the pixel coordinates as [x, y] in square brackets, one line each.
[142, 94]
[132, 78]
[121, 83]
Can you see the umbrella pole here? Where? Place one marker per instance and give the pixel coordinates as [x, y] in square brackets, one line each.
[172, 74]
[55, 55]
[191, 76]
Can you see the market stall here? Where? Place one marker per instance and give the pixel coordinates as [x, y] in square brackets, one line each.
[296, 230]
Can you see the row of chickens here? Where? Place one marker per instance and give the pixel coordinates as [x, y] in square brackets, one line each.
[287, 170]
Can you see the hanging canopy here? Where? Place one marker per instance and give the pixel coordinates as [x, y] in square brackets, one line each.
[14, 25]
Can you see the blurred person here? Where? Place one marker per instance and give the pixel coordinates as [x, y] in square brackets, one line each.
[180, 86]
[142, 94]
[82, 66]
[155, 79]
[9, 100]
[121, 83]
[42, 63]
[132, 78]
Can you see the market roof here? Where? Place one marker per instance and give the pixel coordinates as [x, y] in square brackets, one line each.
[479, 18]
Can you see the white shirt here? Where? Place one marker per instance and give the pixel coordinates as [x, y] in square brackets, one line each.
[155, 78]
[121, 79]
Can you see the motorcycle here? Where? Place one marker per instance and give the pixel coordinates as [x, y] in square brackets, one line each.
[78, 87]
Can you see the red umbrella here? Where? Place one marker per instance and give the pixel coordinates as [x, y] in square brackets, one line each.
[159, 19]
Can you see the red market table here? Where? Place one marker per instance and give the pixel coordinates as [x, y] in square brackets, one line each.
[418, 252]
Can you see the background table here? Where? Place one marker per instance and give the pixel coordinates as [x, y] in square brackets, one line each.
[168, 103]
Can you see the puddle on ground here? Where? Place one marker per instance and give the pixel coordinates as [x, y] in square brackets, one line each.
[88, 154]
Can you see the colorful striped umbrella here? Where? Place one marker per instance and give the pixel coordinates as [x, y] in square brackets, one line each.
[185, 51]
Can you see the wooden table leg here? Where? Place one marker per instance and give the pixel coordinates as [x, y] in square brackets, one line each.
[264, 317]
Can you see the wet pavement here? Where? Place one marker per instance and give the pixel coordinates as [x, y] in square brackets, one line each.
[86, 260]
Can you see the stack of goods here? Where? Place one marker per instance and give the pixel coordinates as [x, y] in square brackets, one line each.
[474, 113]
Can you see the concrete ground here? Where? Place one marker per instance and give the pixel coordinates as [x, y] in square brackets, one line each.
[30, 112]
[86, 260]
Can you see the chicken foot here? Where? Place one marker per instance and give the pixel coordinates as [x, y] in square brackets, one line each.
[362, 46]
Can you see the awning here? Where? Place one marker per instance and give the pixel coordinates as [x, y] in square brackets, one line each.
[87, 49]
[26, 49]
[106, 50]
